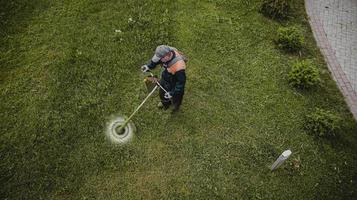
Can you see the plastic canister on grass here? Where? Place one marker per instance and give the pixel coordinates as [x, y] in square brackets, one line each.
[284, 156]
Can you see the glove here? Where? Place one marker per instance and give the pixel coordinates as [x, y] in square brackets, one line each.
[167, 96]
[145, 68]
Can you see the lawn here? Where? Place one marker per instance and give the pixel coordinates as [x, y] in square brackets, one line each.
[67, 67]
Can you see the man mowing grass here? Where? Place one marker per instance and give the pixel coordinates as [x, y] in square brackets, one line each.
[173, 76]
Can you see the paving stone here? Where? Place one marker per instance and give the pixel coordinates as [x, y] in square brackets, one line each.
[334, 23]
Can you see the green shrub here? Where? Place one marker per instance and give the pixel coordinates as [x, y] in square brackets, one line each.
[276, 9]
[290, 38]
[322, 123]
[304, 75]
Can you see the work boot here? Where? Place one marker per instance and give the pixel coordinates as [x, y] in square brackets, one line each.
[162, 106]
[175, 109]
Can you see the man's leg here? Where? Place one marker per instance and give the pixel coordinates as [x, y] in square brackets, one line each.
[176, 101]
[165, 103]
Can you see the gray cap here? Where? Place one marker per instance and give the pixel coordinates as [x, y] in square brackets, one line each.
[160, 52]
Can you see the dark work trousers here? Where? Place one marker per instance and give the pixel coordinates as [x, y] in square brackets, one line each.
[176, 99]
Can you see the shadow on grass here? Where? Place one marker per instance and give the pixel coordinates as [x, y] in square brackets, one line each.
[15, 14]
[14, 17]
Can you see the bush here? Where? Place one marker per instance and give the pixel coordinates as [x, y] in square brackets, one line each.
[304, 75]
[290, 38]
[276, 9]
[322, 123]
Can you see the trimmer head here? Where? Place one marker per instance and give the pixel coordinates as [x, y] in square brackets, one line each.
[119, 134]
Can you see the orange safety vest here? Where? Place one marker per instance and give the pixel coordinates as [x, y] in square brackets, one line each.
[177, 66]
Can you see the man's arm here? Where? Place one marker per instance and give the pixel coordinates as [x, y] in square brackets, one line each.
[151, 64]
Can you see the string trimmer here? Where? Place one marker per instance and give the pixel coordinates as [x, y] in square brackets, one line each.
[121, 129]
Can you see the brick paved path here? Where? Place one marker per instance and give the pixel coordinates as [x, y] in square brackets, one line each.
[334, 24]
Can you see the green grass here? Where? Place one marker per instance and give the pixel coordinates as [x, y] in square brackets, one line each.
[65, 71]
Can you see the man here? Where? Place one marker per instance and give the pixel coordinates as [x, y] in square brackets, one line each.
[173, 77]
